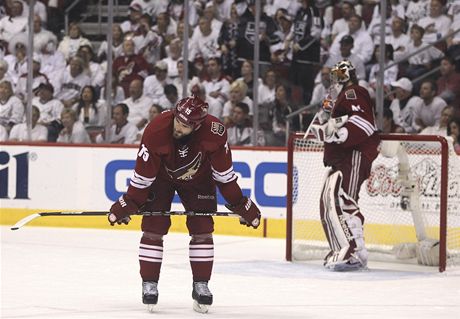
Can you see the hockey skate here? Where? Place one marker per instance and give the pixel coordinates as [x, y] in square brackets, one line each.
[202, 296]
[150, 294]
[357, 262]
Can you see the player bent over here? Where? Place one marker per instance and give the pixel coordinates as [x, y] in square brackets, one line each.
[347, 128]
[183, 151]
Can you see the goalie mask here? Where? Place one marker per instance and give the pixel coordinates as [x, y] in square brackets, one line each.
[342, 72]
[191, 111]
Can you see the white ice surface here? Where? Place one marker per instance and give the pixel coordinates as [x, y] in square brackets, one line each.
[86, 273]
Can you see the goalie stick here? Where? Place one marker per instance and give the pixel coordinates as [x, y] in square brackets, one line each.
[31, 217]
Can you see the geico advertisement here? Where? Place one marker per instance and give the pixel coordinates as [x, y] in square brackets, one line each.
[91, 178]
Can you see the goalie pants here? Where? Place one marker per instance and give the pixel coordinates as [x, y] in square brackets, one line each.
[339, 205]
[197, 196]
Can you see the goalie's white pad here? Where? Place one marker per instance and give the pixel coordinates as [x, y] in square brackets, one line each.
[427, 252]
[344, 230]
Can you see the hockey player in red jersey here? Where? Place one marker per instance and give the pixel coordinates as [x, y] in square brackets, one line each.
[347, 128]
[183, 151]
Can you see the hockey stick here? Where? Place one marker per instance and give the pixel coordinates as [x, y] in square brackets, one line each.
[29, 218]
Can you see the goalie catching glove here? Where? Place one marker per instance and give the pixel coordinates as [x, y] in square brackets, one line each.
[332, 130]
[250, 214]
[121, 209]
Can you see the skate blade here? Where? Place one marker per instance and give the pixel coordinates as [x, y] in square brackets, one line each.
[347, 267]
[200, 307]
[151, 307]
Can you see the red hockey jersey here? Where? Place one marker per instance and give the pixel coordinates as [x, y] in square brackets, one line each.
[355, 102]
[203, 156]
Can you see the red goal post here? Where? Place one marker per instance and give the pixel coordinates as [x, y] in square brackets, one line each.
[434, 169]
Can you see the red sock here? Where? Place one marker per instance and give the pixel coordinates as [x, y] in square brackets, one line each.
[150, 258]
[201, 259]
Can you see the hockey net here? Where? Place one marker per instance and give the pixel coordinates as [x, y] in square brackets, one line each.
[433, 166]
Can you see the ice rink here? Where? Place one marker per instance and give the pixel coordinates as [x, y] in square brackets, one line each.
[89, 273]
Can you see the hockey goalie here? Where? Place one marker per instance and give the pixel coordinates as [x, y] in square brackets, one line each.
[347, 127]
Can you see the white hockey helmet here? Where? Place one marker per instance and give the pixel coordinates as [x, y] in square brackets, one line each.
[341, 71]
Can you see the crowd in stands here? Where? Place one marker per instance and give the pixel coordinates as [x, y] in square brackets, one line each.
[300, 40]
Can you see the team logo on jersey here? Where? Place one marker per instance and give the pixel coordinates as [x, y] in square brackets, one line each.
[186, 172]
[183, 151]
[217, 128]
[350, 94]
[143, 153]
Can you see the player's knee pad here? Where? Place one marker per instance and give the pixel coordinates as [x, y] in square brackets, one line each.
[152, 236]
[201, 238]
[344, 230]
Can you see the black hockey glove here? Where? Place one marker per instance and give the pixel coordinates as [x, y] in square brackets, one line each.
[250, 214]
[121, 209]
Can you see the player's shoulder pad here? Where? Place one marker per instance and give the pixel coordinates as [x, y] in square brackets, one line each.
[160, 128]
[350, 94]
[214, 129]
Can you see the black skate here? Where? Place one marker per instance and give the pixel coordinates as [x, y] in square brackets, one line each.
[150, 294]
[202, 296]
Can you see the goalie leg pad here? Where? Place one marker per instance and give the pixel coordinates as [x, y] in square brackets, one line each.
[344, 230]
[427, 252]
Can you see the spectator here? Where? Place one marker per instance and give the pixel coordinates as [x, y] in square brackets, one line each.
[52, 61]
[74, 130]
[154, 84]
[227, 44]
[17, 59]
[37, 79]
[11, 108]
[130, 65]
[121, 131]
[41, 35]
[428, 112]
[421, 62]
[416, 10]
[166, 27]
[118, 94]
[448, 83]
[389, 126]
[247, 77]
[154, 111]
[306, 47]
[281, 108]
[245, 41]
[322, 89]
[50, 110]
[283, 51]
[117, 44]
[71, 82]
[138, 104]
[398, 38]
[174, 55]
[14, 23]
[4, 71]
[3, 134]
[441, 127]
[147, 42]
[240, 133]
[404, 105]
[374, 26]
[203, 43]
[178, 80]
[238, 91]
[152, 8]
[453, 130]
[346, 48]
[88, 110]
[92, 68]
[169, 98]
[389, 74]
[216, 84]
[347, 10]
[266, 93]
[39, 133]
[363, 44]
[135, 14]
[436, 24]
[70, 43]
